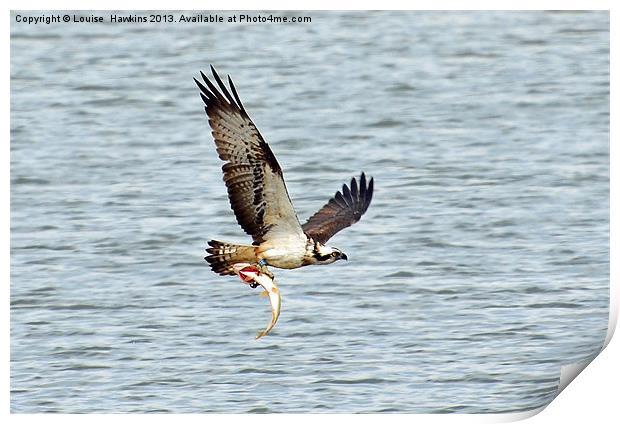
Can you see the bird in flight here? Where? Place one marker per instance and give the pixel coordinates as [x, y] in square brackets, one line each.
[260, 200]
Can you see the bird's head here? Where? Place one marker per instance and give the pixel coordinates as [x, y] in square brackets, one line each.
[326, 255]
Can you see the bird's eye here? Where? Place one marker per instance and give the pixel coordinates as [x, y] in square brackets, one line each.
[334, 254]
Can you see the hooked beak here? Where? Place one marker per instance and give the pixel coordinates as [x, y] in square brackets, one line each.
[344, 256]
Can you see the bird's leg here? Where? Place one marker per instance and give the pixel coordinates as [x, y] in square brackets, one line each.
[262, 264]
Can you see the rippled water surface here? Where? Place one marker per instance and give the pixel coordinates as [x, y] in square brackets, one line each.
[480, 268]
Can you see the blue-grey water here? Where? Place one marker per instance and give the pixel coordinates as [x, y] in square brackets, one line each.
[480, 268]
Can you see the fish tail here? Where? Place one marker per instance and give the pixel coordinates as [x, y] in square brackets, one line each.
[222, 256]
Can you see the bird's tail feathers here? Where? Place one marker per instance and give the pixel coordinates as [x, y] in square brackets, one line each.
[222, 256]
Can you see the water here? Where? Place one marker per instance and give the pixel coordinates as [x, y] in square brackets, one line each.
[480, 268]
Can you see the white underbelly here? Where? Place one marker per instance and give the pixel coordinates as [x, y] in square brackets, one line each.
[287, 258]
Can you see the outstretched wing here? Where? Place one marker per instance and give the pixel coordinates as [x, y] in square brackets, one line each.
[256, 188]
[342, 210]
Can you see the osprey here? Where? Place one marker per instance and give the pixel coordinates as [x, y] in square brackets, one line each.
[259, 198]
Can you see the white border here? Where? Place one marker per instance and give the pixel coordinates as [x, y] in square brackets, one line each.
[314, 5]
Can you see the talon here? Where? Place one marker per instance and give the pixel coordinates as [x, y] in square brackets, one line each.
[265, 270]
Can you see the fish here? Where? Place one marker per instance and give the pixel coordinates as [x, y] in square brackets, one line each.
[252, 275]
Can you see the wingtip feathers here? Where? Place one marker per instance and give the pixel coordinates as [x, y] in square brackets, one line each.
[225, 96]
